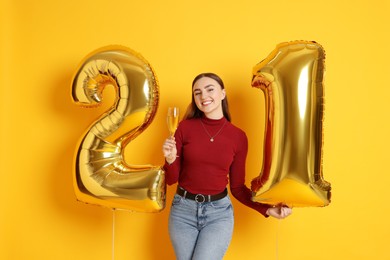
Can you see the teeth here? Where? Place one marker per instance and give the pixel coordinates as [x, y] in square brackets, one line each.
[206, 103]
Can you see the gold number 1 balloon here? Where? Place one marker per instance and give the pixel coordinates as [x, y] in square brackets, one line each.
[291, 78]
[102, 177]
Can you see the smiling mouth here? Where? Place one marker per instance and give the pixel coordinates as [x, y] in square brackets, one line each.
[206, 103]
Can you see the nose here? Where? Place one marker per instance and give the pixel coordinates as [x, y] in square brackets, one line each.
[203, 95]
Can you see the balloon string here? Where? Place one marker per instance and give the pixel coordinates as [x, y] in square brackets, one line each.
[113, 234]
[277, 240]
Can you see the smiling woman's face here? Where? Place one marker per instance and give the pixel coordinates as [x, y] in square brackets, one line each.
[208, 96]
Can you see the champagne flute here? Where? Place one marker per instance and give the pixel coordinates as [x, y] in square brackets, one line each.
[172, 119]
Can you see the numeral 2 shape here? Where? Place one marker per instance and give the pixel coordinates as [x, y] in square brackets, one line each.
[102, 176]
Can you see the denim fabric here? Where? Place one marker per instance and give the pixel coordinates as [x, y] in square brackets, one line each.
[200, 231]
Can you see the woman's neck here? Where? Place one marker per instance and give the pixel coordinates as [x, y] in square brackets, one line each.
[214, 115]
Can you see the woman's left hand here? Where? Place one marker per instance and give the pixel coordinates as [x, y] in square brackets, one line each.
[279, 212]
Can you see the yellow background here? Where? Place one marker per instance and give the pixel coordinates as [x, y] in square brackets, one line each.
[43, 42]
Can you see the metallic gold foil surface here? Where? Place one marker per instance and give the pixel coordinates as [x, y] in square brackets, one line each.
[102, 177]
[291, 78]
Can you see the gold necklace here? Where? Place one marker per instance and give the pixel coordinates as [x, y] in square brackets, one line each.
[212, 137]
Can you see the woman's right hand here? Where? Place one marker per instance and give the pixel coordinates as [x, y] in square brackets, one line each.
[279, 211]
[169, 149]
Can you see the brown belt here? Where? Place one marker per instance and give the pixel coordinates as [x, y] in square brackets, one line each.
[200, 198]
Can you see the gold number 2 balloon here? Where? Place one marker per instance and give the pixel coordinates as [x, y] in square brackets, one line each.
[102, 177]
[291, 78]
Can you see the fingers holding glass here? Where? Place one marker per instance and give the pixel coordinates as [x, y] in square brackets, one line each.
[169, 150]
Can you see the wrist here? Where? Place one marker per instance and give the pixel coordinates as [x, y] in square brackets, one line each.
[170, 160]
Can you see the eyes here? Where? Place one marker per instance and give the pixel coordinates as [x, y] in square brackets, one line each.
[198, 92]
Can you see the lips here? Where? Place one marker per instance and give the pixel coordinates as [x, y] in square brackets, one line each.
[206, 103]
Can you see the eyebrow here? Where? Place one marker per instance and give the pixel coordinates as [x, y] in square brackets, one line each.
[207, 86]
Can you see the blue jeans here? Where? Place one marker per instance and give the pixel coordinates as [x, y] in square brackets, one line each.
[200, 231]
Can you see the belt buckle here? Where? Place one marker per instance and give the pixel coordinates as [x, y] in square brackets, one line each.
[201, 196]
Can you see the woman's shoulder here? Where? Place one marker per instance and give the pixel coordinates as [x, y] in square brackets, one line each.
[237, 131]
[189, 122]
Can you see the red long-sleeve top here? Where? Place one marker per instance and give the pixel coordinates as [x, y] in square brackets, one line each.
[207, 167]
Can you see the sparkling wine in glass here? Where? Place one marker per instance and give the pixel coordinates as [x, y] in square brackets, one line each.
[172, 119]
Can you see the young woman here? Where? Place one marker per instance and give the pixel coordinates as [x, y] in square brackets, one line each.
[206, 153]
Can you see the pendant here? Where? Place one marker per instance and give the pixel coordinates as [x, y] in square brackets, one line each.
[211, 139]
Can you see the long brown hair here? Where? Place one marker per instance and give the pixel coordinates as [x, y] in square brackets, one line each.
[194, 112]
